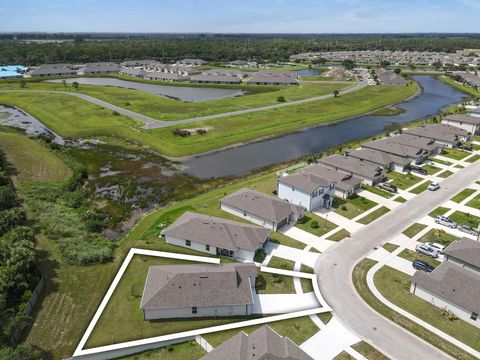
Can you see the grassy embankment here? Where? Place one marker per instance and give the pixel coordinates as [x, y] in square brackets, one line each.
[167, 109]
[72, 117]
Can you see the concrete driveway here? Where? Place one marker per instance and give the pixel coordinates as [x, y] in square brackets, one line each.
[283, 303]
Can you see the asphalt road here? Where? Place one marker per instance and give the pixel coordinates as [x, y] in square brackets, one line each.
[151, 123]
[334, 272]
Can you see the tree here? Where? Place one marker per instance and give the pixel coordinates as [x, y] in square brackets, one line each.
[281, 99]
[384, 63]
[75, 85]
[23, 83]
[437, 65]
[411, 66]
[349, 64]
[397, 70]
[336, 93]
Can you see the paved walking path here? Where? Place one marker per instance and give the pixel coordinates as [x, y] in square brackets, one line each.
[151, 123]
[283, 303]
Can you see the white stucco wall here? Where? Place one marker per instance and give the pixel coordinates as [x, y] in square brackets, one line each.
[206, 311]
[249, 217]
[398, 168]
[439, 302]
[295, 196]
[195, 246]
[469, 127]
[245, 254]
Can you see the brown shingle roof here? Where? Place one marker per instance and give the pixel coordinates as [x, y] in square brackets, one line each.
[213, 231]
[465, 250]
[262, 344]
[179, 286]
[265, 206]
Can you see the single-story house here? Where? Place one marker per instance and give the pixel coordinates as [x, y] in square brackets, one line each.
[428, 145]
[216, 79]
[449, 136]
[162, 76]
[99, 68]
[383, 159]
[192, 62]
[272, 80]
[369, 173]
[452, 287]
[306, 190]
[140, 63]
[130, 71]
[466, 122]
[345, 184]
[474, 112]
[53, 70]
[227, 72]
[465, 253]
[261, 209]
[262, 344]
[198, 290]
[390, 78]
[389, 146]
[216, 236]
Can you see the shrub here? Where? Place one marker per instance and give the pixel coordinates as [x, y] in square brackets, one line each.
[314, 224]
[281, 99]
[344, 207]
[115, 113]
[260, 256]
[127, 103]
[201, 131]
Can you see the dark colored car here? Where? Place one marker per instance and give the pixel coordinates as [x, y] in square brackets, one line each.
[388, 187]
[466, 147]
[418, 170]
[418, 264]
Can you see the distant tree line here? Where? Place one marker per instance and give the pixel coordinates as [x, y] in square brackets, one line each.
[80, 48]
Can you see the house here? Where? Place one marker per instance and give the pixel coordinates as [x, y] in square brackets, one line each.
[421, 143]
[198, 290]
[216, 79]
[389, 146]
[131, 71]
[99, 68]
[140, 63]
[369, 173]
[383, 159]
[224, 72]
[216, 236]
[53, 70]
[454, 284]
[466, 122]
[261, 209]
[192, 62]
[242, 64]
[449, 136]
[345, 184]
[272, 80]
[306, 190]
[262, 344]
[162, 76]
[390, 78]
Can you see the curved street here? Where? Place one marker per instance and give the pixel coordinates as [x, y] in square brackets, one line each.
[151, 123]
[334, 272]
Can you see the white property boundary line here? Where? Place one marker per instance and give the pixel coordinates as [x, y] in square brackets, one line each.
[79, 352]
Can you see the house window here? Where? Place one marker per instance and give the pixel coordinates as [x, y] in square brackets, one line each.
[293, 189]
[474, 316]
[244, 213]
[194, 310]
[188, 243]
[207, 247]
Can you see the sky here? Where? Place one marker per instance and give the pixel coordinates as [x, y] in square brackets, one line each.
[241, 16]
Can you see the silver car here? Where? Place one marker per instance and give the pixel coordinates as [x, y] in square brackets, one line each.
[445, 221]
[427, 250]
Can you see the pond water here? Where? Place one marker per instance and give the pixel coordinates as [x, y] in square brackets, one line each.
[182, 93]
[309, 72]
[242, 160]
[10, 116]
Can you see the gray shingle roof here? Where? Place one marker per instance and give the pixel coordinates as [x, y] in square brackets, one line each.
[392, 147]
[378, 157]
[179, 286]
[262, 344]
[440, 132]
[467, 119]
[53, 69]
[305, 181]
[451, 282]
[351, 165]
[465, 250]
[99, 67]
[213, 231]
[265, 206]
[133, 71]
[267, 79]
[342, 180]
[217, 78]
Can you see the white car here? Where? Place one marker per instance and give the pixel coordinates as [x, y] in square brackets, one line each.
[437, 246]
[434, 186]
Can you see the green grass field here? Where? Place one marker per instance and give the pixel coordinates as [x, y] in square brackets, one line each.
[421, 188]
[475, 202]
[374, 215]
[438, 236]
[413, 230]
[323, 226]
[462, 195]
[454, 154]
[445, 174]
[403, 181]
[352, 207]
[339, 235]
[378, 191]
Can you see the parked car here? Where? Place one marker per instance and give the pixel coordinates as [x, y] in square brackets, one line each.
[437, 246]
[467, 229]
[422, 265]
[466, 147]
[388, 187]
[434, 186]
[445, 221]
[418, 170]
[427, 250]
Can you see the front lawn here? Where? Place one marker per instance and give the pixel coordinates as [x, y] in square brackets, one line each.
[463, 195]
[268, 283]
[377, 191]
[395, 285]
[390, 247]
[421, 188]
[281, 263]
[474, 158]
[440, 161]
[438, 236]
[464, 218]
[315, 225]
[400, 199]
[339, 235]
[431, 169]
[475, 202]
[455, 154]
[439, 211]
[352, 207]
[445, 174]
[413, 230]
[374, 215]
[186, 350]
[411, 255]
[282, 239]
[403, 181]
